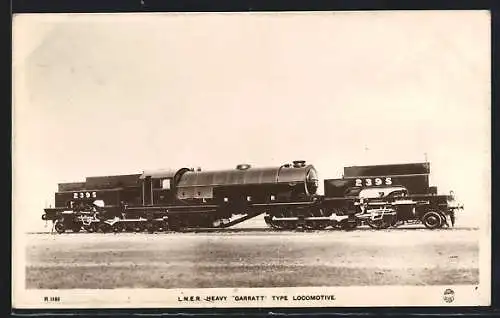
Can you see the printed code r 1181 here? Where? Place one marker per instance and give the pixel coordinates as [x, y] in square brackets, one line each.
[51, 299]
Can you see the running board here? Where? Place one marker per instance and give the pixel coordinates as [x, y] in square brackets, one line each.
[312, 218]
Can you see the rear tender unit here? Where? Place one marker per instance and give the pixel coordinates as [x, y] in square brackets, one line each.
[379, 196]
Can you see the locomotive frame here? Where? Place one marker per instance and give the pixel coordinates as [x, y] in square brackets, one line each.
[177, 200]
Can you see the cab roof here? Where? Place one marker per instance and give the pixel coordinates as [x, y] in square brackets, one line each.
[159, 173]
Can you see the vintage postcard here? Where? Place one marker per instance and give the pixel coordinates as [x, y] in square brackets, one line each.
[265, 159]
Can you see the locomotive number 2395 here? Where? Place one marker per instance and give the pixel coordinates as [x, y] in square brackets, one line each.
[373, 182]
[81, 195]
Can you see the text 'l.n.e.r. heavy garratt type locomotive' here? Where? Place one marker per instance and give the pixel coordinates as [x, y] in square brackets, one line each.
[380, 196]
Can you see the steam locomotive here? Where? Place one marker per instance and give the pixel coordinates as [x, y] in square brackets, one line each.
[174, 200]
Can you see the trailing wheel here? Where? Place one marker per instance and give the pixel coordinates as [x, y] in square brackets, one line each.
[432, 220]
[60, 227]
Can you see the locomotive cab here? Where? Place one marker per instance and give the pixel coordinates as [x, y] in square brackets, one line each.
[158, 186]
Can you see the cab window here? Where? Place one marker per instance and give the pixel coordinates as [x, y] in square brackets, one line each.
[165, 184]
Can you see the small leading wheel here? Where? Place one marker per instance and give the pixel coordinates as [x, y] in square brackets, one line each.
[60, 227]
[432, 220]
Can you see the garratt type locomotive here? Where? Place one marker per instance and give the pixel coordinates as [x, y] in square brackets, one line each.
[189, 198]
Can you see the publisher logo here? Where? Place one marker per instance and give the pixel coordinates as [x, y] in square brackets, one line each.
[449, 295]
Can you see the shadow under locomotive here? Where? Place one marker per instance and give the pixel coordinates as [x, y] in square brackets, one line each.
[380, 196]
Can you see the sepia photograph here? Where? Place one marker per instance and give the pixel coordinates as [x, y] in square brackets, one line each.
[251, 159]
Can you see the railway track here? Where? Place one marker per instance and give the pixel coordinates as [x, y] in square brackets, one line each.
[266, 230]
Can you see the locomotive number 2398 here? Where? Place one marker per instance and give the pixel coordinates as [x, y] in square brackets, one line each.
[81, 195]
[373, 182]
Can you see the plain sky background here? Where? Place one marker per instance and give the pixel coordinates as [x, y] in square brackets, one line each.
[100, 94]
